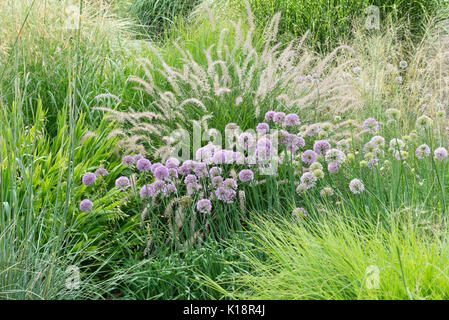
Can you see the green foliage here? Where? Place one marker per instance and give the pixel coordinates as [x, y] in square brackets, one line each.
[158, 16]
[338, 257]
[331, 22]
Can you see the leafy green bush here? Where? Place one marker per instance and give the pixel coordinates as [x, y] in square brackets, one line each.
[156, 16]
[330, 22]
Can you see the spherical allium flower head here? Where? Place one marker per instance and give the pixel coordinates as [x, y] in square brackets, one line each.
[403, 65]
[128, 161]
[262, 128]
[154, 166]
[279, 117]
[263, 148]
[89, 179]
[378, 140]
[172, 163]
[246, 175]
[171, 188]
[393, 114]
[327, 192]
[225, 194]
[232, 127]
[137, 157]
[316, 166]
[440, 153]
[217, 181]
[101, 172]
[299, 212]
[161, 172]
[312, 130]
[370, 125]
[204, 154]
[356, 186]
[204, 206]
[173, 173]
[230, 183]
[308, 179]
[371, 147]
[122, 183]
[190, 179]
[422, 151]
[396, 144]
[343, 145]
[215, 171]
[309, 156]
[269, 116]
[318, 173]
[159, 186]
[246, 141]
[147, 191]
[333, 167]
[291, 120]
[423, 122]
[86, 205]
[335, 155]
[143, 165]
[201, 170]
[321, 147]
[185, 169]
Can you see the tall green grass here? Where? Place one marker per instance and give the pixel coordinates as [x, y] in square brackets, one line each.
[338, 257]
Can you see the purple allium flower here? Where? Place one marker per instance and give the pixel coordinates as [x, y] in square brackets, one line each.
[356, 186]
[335, 155]
[246, 175]
[204, 206]
[184, 169]
[370, 125]
[159, 186]
[312, 130]
[232, 127]
[190, 179]
[101, 172]
[89, 179]
[422, 151]
[143, 165]
[154, 166]
[137, 157]
[128, 161]
[161, 173]
[225, 194]
[291, 120]
[172, 163]
[279, 117]
[293, 142]
[309, 156]
[171, 189]
[86, 205]
[173, 173]
[298, 212]
[147, 191]
[333, 167]
[246, 141]
[230, 183]
[262, 128]
[263, 148]
[321, 147]
[203, 154]
[269, 116]
[215, 171]
[122, 183]
[440, 153]
[238, 157]
[201, 170]
[308, 179]
[220, 157]
[217, 181]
